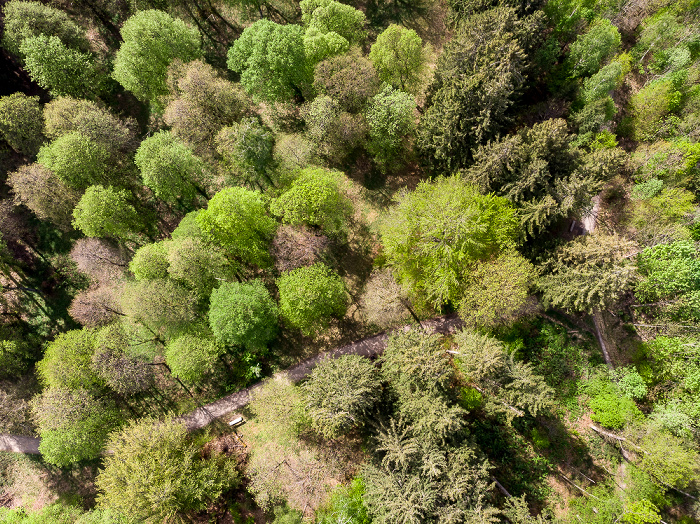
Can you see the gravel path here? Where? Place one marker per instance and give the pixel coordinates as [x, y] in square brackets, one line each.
[367, 347]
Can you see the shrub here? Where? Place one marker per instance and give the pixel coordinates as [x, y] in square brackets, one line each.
[614, 411]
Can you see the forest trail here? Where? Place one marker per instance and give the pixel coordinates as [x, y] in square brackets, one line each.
[204, 415]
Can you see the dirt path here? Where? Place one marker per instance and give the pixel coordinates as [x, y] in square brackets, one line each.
[367, 347]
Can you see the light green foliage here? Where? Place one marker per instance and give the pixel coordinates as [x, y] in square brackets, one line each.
[21, 122]
[675, 162]
[349, 78]
[150, 261]
[272, 61]
[594, 47]
[310, 296]
[157, 473]
[65, 115]
[589, 273]
[319, 46]
[340, 394]
[315, 198]
[247, 148]
[399, 58]
[630, 383]
[610, 407]
[197, 265]
[648, 189]
[67, 361]
[286, 515]
[73, 425]
[236, 220]
[600, 84]
[59, 69]
[279, 408]
[436, 234]
[668, 459]
[497, 292]
[201, 103]
[650, 108]
[641, 512]
[24, 20]
[152, 40]
[106, 212]
[169, 168]
[540, 172]
[191, 356]
[670, 417]
[391, 122]
[331, 28]
[188, 228]
[345, 505]
[243, 315]
[593, 116]
[75, 160]
[658, 219]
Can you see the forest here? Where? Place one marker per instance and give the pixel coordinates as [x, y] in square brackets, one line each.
[437, 261]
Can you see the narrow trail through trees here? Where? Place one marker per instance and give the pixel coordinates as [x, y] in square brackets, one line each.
[204, 415]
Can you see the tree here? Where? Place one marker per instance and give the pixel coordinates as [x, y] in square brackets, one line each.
[103, 261]
[331, 28]
[498, 291]
[150, 261]
[157, 473]
[106, 212]
[593, 47]
[243, 315]
[45, 194]
[235, 219]
[349, 78]
[21, 123]
[335, 133]
[192, 355]
[15, 355]
[96, 306]
[61, 70]
[384, 302]
[436, 234]
[247, 148]
[315, 198]
[294, 247]
[310, 296]
[152, 40]
[67, 361]
[200, 104]
[340, 394]
[170, 169]
[24, 20]
[198, 265]
[589, 273]
[477, 80]
[399, 58]
[272, 61]
[390, 120]
[542, 173]
[73, 425]
[75, 159]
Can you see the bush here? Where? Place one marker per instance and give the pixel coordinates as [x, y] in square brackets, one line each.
[614, 411]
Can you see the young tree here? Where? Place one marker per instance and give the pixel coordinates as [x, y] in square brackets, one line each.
[592, 48]
[75, 159]
[21, 123]
[157, 473]
[67, 361]
[247, 148]
[192, 355]
[243, 315]
[152, 40]
[334, 132]
[236, 220]
[106, 212]
[170, 169]
[399, 58]
[198, 265]
[391, 121]
[15, 355]
[315, 198]
[73, 425]
[61, 70]
[331, 28]
[310, 296]
[340, 394]
[272, 61]
[150, 261]
[436, 234]
[349, 78]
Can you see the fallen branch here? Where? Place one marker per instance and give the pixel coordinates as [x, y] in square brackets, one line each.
[501, 488]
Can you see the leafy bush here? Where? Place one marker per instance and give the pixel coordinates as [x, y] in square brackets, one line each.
[647, 189]
[614, 411]
[630, 383]
[346, 505]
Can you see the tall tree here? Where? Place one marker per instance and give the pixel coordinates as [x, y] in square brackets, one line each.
[592, 48]
[21, 123]
[191, 355]
[399, 58]
[67, 361]
[391, 121]
[198, 265]
[331, 28]
[247, 149]
[106, 212]
[349, 78]
[76, 160]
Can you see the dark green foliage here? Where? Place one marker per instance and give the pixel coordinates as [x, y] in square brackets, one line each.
[310, 296]
[106, 212]
[340, 394]
[243, 315]
[197, 265]
[21, 123]
[15, 354]
[247, 149]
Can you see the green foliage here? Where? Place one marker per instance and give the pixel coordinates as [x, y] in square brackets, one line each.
[613, 410]
[59, 69]
[436, 234]
[236, 220]
[658, 219]
[315, 198]
[73, 425]
[668, 459]
[399, 58]
[594, 47]
[340, 394]
[24, 20]
[593, 116]
[334, 132]
[75, 160]
[630, 383]
[391, 124]
[286, 515]
[350, 79]
[21, 122]
[243, 315]
[310, 296]
[641, 512]
[170, 169]
[331, 28]
[650, 108]
[67, 361]
[648, 189]
[191, 356]
[600, 84]
[106, 212]
[345, 505]
[197, 265]
[150, 261]
[247, 147]
[272, 61]
[152, 40]
[14, 356]
[157, 473]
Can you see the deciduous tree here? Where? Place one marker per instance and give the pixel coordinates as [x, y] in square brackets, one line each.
[106, 212]
[21, 122]
[247, 148]
[192, 355]
[391, 122]
[399, 58]
[76, 160]
[349, 78]
[592, 48]
[67, 361]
